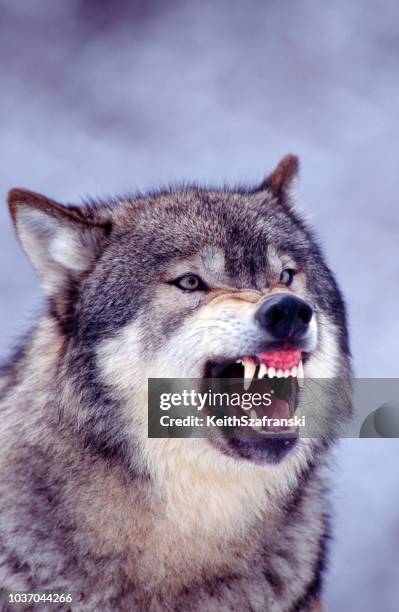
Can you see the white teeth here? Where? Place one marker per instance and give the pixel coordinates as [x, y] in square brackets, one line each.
[253, 415]
[262, 370]
[300, 374]
[249, 371]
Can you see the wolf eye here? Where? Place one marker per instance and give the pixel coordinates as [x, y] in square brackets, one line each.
[287, 276]
[189, 282]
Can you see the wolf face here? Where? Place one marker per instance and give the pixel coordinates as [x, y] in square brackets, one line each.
[185, 284]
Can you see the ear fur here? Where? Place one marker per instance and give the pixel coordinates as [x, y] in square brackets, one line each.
[281, 180]
[62, 243]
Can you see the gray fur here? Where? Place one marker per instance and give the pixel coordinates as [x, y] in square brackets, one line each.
[82, 507]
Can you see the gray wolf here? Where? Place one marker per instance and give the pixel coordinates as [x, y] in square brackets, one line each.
[177, 283]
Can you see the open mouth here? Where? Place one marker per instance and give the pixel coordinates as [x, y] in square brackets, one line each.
[276, 375]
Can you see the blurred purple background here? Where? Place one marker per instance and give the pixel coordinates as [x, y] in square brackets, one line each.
[101, 96]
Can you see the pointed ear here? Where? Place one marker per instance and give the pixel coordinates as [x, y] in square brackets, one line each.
[281, 180]
[62, 243]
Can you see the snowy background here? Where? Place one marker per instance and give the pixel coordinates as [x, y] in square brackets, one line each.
[99, 96]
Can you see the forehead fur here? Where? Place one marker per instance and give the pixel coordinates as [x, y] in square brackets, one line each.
[183, 221]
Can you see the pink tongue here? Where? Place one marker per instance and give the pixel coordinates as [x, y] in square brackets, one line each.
[281, 409]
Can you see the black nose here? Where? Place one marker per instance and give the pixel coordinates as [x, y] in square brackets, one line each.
[285, 316]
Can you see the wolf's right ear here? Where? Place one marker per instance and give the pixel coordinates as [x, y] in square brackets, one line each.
[62, 243]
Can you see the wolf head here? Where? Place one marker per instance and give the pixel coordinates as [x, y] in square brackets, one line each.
[183, 284]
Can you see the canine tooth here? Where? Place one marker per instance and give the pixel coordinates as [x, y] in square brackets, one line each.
[300, 374]
[239, 361]
[253, 415]
[271, 372]
[294, 371]
[286, 373]
[262, 370]
[249, 371]
[279, 373]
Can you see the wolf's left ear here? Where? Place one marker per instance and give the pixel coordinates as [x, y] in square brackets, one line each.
[282, 179]
[62, 243]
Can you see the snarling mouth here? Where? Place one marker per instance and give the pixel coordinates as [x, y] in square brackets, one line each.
[277, 374]
[276, 364]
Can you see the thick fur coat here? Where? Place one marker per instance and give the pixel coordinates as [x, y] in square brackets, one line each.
[88, 502]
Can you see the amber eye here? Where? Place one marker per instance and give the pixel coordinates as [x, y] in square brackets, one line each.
[287, 276]
[189, 282]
